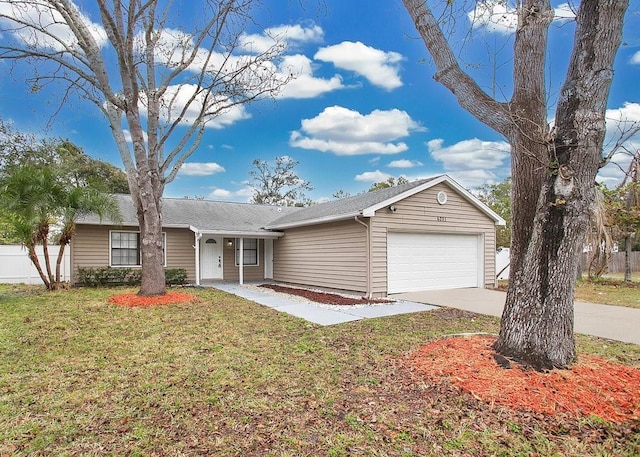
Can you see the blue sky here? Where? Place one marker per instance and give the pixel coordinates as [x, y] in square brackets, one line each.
[363, 108]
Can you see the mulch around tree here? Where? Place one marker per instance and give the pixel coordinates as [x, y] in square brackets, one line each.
[170, 298]
[323, 297]
[592, 387]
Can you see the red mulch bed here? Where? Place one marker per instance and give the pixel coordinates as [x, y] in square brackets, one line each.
[593, 386]
[170, 298]
[322, 297]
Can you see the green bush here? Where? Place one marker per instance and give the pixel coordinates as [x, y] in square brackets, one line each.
[108, 276]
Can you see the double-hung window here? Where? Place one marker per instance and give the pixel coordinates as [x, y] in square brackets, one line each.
[249, 252]
[125, 249]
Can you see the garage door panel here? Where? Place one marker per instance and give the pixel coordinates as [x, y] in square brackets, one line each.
[419, 261]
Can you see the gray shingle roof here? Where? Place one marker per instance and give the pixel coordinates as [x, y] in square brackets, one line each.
[214, 216]
[203, 214]
[346, 207]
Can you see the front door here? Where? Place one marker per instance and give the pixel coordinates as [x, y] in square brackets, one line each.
[211, 258]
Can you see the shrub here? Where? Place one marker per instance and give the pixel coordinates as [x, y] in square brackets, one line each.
[108, 276]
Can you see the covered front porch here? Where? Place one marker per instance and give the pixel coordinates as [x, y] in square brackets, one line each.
[233, 256]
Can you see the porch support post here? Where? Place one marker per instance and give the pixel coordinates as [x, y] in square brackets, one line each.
[241, 260]
[196, 246]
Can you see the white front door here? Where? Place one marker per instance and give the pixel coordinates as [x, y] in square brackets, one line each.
[211, 257]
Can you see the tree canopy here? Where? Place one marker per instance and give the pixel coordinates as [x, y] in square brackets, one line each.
[159, 72]
[36, 199]
[18, 149]
[278, 183]
[498, 198]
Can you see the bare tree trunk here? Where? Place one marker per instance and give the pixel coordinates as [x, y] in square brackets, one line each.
[553, 174]
[148, 206]
[537, 323]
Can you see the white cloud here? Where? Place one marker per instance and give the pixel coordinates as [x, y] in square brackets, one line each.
[494, 16]
[346, 132]
[41, 27]
[177, 98]
[379, 67]
[472, 162]
[635, 59]
[564, 12]
[404, 163]
[128, 139]
[241, 195]
[500, 16]
[288, 35]
[200, 169]
[305, 85]
[472, 154]
[373, 176]
[476, 178]
[623, 121]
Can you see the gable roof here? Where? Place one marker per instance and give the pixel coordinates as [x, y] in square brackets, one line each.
[368, 203]
[244, 219]
[203, 215]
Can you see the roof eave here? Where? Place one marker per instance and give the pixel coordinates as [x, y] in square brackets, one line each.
[370, 212]
[318, 220]
[238, 233]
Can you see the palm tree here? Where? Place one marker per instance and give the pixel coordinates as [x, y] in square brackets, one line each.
[35, 198]
[77, 202]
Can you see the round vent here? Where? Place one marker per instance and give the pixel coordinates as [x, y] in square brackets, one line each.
[442, 197]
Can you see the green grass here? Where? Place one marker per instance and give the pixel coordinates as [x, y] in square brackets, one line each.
[610, 291]
[228, 377]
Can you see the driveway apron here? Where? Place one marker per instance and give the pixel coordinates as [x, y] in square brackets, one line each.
[606, 321]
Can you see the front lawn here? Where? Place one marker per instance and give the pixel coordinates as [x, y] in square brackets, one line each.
[225, 376]
[609, 291]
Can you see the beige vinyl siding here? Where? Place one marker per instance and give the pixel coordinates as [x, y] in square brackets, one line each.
[90, 248]
[423, 214]
[231, 272]
[332, 255]
[180, 251]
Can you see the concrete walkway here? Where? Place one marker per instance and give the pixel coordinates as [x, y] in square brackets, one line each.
[612, 322]
[318, 314]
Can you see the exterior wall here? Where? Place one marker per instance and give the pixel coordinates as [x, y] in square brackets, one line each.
[231, 271]
[90, 248]
[423, 214]
[332, 255]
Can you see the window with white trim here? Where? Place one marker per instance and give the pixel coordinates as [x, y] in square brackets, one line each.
[249, 250]
[124, 249]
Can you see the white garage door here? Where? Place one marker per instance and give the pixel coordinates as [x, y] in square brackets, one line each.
[419, 261]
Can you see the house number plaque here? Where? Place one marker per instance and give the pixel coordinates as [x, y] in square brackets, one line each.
[441, 219]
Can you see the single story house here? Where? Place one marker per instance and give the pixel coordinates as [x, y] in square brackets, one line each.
[427, 234]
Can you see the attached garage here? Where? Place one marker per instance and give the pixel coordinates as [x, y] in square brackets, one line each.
[423, 261]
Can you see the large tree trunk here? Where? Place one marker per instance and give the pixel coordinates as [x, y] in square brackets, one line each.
[553, 173]
[537, 323]
[148, 206]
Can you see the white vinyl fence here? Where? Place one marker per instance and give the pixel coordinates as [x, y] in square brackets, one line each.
[16, 267]
[502, 261]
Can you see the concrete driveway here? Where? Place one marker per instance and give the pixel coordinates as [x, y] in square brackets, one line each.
[606, 321]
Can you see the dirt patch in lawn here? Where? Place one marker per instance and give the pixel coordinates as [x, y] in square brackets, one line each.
[592, 387]
[323, 297]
